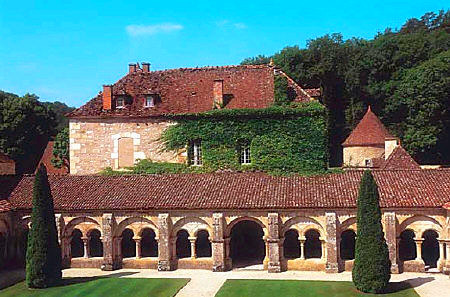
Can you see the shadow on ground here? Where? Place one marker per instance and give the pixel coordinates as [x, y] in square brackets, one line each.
[407, 284]
[77, 280]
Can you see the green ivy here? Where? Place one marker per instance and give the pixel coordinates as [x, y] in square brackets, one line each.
[283, 139]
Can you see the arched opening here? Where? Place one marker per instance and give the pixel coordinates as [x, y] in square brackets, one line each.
[430, 248]
[291, 246]
[95, 244]
[247, 245]
[347, 245]
[76, 244]
[183, 245]
[149, 245]
[202, 244]
[313, 246]
[128, 245]
[407, 246]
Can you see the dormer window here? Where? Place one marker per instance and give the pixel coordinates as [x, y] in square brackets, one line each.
[149, 101]
[120, 102]
[368, 162]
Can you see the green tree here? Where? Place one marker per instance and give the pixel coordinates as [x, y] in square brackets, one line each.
[43, 259]
[61, 149]
[26, 125]
[372, 267]
[60, 110]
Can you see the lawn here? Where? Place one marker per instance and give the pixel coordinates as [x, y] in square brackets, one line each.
[100, 287]
[293, 288]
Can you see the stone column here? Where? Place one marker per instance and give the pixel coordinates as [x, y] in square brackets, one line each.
[324, 249]
[419, 242]
[218, 243]
[164, 244]
[109, 256]
[441, 260]
[302, 247]
[390, 223]
[59, 226]
[273, 242]
[193, 252]
[86, 246]
[138, 247]
[332, 254]
[447, 260]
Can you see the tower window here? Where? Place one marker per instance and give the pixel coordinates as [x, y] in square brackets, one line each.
[196, 149]
[244, 157]
[120, 102]
[149, 101]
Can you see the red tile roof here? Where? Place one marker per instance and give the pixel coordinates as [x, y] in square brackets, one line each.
[402, 188]
[7, 185]
[46, 159]
[400, 159]
[369, 131]
[188, 90]
[5, 159]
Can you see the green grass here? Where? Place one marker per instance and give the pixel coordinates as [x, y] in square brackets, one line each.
[100, 287]
[293, 288]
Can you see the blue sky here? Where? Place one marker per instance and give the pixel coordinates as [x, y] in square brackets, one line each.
[66, 50]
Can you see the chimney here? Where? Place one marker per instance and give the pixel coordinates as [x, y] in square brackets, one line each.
[131, 68]
[145, 67]
[389, 146]
[218, 93]
[107, 97]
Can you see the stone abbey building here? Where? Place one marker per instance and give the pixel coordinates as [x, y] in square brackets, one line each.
[225, 219]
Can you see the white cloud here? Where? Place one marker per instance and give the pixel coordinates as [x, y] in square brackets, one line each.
[227, 24]
[142, 30]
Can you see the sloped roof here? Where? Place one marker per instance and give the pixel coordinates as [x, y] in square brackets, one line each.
[398, 188]
[7, 185]
[46, 159]
[190, 90]
[5, 159]
[400, 159]
[369, 131]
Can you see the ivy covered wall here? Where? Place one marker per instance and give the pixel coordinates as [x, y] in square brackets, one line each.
[283, 140]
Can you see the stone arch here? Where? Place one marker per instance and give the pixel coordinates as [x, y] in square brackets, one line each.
[84, 228]
[245, 218]
[349, 224]
[137, 224]
[313, 244]
[303, 224]
[247, 244]
[419, 224]
[191, 225]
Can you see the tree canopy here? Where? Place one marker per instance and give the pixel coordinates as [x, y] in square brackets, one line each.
[396, 73]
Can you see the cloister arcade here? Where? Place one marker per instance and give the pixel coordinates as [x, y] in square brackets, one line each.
[221, 242]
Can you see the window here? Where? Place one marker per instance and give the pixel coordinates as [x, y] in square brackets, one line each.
[368, 162]
[244, 157]
[120, 102]
[197, 153]
[149, 101]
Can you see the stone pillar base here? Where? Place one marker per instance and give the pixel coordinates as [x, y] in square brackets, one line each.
[395, 269]
[446, 267]
[107, 267]
[274, 267]
[332, 268]
[165, 265]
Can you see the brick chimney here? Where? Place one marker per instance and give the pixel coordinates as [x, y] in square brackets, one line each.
[132, 68]
[218, 93]
[107, 97]
[390, 143]
[145, 67]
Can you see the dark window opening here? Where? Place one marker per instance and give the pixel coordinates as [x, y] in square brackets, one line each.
[149, 245]
[313, 246]
[183, 245]
[430, 248]
[95, 244]
[407, 246]
[202, 244]
[347, 246]
[76, 244]
[128, 244]
[291, 244]
[247, 245]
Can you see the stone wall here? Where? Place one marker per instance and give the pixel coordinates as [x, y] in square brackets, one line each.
[355, 156]
[94, 144]
[8, 168]
[328, 223]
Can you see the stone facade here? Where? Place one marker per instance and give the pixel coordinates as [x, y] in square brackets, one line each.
[94, 144]
[356, 156]
[7, 168]
[219, 225]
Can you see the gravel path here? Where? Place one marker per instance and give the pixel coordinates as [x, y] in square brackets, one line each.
[206, 283]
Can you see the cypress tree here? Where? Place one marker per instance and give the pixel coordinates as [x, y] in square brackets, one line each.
[43, 267]
[372, 267]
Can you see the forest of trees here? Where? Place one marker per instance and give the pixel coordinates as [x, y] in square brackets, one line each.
[26, 125]
[403, 74]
